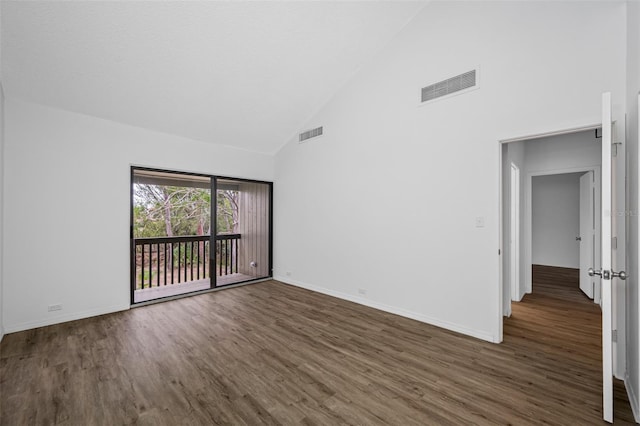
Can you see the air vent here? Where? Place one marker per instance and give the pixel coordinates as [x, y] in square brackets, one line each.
[310, 134]
[449, 86]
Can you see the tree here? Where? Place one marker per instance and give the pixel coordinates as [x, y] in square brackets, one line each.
[170, 210]
[227, 211]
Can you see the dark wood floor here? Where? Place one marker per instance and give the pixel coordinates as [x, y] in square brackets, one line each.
[270, 353]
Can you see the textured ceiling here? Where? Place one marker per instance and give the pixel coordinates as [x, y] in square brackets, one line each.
[245, 74]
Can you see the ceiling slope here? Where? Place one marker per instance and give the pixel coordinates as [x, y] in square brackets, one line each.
[244, 74]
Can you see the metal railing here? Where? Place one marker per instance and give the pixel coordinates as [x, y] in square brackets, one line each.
[172, 260]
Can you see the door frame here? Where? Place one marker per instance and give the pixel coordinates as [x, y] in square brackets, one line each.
[500, 290]
[514, 226]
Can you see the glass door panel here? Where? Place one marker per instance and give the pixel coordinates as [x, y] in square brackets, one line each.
[171, 227]
[244, 231]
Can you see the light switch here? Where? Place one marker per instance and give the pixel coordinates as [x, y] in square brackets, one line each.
[480, 222]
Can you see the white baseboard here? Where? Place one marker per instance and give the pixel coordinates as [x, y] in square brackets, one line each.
[393, 310]
[633, 399]
[12, 328]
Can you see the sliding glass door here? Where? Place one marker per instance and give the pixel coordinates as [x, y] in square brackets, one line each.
[191, 233]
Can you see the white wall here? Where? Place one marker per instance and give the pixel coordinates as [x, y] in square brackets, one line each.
[632, 379]
[400, 185]
[67, 207]
[573, 150]
[556, 220]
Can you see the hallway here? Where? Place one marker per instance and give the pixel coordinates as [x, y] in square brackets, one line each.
[555, 330]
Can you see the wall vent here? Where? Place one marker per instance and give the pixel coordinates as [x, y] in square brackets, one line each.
[310, 134]
[449, 86]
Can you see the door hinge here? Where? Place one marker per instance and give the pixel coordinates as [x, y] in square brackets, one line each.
[614, 243]
[614, 148]
[614, 335]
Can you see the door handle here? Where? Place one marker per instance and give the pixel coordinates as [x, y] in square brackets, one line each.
[578, 238]
[622, 275]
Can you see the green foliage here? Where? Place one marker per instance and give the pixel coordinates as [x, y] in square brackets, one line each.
[227, 218]
[170, 211]
[144, 225]
[147, 276]
[160, 211]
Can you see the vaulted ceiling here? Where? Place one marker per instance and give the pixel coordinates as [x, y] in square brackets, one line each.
[245, 74]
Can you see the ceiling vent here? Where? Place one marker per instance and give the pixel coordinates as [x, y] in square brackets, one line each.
[459, 83]
[310, 134]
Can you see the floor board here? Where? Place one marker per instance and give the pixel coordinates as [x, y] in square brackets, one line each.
[270, 353]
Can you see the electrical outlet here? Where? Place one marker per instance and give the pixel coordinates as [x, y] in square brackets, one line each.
[288, 273]
[362, 292]
[57, 307]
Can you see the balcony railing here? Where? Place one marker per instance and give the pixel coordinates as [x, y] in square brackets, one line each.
[173, 260]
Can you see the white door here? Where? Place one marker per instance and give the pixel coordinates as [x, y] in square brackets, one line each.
[606, 273]
[587, 233]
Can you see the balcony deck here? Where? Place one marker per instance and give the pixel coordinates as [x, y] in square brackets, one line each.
[171, 266]
[186, 287]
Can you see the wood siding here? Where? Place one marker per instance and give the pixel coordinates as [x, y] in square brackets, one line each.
[253, 225]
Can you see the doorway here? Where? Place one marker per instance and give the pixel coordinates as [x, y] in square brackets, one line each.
[572, 152]
[538, 158]
[563, 227]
